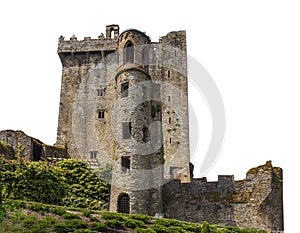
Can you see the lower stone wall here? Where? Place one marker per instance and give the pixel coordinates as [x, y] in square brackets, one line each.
[255, 202]
[32, 148]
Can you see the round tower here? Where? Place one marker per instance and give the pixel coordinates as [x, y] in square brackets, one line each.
[138, 161]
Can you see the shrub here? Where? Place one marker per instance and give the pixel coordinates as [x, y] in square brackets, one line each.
[144, 230]
[86, 213]
[83, 185]
[98, 226]
[205, 227]
[193, 228]
[58, 211]
[37, 207]
[132, 223]
[70, 216]
[69, 226]
[114, 223]
[144, 218]
[116, 216]
[29, 221]
[175, 229]
[159, 228]
[84, 231]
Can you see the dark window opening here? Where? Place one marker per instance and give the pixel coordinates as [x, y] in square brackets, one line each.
[101, 114]
[129, 53]
[146, 134]
[36, 152]
[170, 120]
[169, 73]
[100, 92]
[93, 154]
[170, 140]
[124, 89]
[169, 98]
[123, 203]
[126, 130]
[125, 163]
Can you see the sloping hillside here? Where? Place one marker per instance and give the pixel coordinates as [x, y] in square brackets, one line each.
[32, 217]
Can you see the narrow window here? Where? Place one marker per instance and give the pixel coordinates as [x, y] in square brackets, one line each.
[100, 92]
[129, 53]
[169, 98]
[124, 89]
[146, 135]
[169, 73]
[170, 140]
[170, 120]
[101, 114]
[93, 154]
[123, 203]
[126, 130]
[125, 163]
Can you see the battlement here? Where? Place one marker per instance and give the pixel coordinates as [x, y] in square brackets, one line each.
[108, 42]
[260, 194]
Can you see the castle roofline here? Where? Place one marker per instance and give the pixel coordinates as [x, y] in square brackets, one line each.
[136, 31]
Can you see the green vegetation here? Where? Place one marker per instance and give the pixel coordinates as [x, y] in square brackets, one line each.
[70, 183]
[31, 217]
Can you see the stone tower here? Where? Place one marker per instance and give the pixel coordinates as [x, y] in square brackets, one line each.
[124, 101]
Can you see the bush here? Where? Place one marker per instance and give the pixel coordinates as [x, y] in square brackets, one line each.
[70, 216]
[175, 229]
[98, 226]
[144, 218]
[32, 181]
[193, 228]
[114, 223]
[58, 211]
[116, 216]
[144, 230]
[205, 227]
[159, 228]
[84, 231]
[132, 223]
[29, 221]
[37, 207]
[83, 186]
[69, 226]
[86, 213]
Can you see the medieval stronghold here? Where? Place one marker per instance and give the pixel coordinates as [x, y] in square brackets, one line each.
[124, 100]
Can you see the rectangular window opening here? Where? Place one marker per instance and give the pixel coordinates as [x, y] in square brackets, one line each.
[100, 92]
[101, 114]
[125, 163]
[126, 130]
[93, 154]
[169, 98]
[124, 89]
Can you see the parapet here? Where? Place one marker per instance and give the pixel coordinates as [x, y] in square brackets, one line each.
[108, 42]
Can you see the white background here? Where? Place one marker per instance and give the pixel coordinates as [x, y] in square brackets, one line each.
[250, 48]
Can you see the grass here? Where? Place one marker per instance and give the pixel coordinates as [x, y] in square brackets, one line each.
[31, 217]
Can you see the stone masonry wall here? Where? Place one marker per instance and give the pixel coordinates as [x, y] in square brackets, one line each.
[33, 149]
[255, 202]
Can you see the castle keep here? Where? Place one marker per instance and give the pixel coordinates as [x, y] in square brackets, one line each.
[124, 100]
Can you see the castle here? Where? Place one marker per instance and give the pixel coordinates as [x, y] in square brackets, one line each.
[124, 100]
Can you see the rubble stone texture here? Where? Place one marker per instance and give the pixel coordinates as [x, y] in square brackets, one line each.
[124, 100]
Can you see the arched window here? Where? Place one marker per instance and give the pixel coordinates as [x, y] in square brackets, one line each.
[145, 56]
[129, 53]
[123, 203]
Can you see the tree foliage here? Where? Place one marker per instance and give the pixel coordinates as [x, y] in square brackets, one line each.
[85, 188]
[70, 182]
